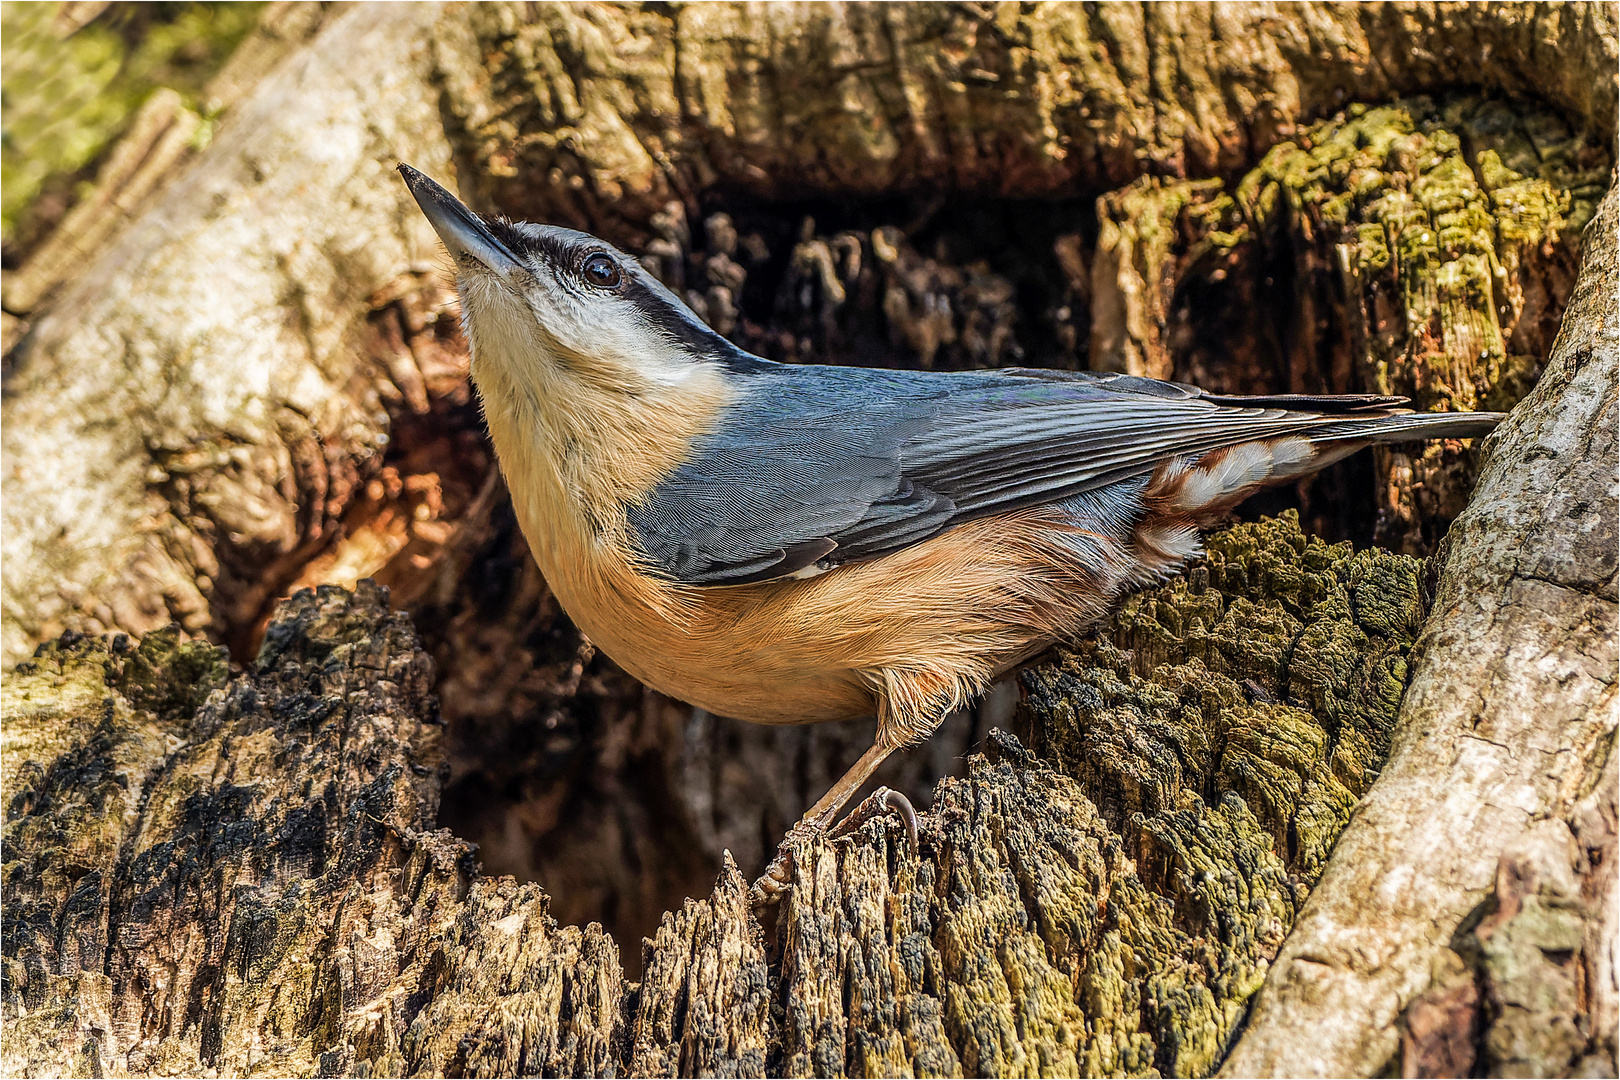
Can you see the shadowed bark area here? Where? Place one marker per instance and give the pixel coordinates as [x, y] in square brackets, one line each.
[252, 382]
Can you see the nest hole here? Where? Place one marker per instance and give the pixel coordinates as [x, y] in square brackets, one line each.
[621, 803]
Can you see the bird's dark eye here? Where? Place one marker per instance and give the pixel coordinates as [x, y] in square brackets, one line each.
[600, 270]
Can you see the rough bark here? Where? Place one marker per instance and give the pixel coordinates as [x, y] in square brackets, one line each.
[598, 113]
[1477, 879]
[244, 876]
[162, 137]
[181, 489]
[291, 409]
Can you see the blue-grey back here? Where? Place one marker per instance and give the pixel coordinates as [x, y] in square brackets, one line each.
[816, 466]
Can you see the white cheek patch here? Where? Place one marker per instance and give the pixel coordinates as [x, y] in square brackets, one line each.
[609, 330]
[502, 332]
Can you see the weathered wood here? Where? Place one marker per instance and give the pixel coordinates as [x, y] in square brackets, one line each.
[1484, 854]
[191, 386]
[162, 138]
[245, 877]
[600, 113]
[1109, 907]
[1109, 904]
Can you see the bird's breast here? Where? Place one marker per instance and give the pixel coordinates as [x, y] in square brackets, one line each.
[947, 614]
[749, 652]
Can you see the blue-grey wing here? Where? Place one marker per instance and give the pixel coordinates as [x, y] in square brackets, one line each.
[800, 469]
[815, 466]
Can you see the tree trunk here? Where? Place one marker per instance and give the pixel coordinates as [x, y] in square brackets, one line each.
[1469, 908]
[249, 388]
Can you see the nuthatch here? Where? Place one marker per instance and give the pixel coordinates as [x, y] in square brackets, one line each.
[795, 543]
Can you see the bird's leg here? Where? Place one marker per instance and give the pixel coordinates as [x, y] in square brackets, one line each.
[819, 816]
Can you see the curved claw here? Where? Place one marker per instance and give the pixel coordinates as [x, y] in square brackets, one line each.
[768, 889]
[884, 798]
[901, 805]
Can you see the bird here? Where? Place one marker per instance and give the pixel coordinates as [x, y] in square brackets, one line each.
[797, 543]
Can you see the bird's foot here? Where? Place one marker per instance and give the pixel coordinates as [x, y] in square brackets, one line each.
[882, 801]
[773, 882]
[769, 886]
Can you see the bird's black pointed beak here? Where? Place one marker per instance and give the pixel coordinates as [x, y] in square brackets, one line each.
[463, 232]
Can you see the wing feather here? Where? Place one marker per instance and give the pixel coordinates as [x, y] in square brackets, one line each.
[817, 466]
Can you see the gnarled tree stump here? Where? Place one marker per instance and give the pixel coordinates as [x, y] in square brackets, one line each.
[257, 855]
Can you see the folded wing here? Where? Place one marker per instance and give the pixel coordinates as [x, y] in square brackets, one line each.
[820, 466]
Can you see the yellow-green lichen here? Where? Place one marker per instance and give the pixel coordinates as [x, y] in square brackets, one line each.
[1437, 213]
[1225, 726]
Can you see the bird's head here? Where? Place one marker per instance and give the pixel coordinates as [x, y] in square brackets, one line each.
[544, 305]
[595, 379]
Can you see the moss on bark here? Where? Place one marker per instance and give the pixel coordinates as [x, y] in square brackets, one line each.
[1225, 726]
[1424, 249]
[243, 876]
[72, 87]
[1439, 240]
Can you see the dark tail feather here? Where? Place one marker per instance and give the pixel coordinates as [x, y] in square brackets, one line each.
[1411, 427]
[1322, 403]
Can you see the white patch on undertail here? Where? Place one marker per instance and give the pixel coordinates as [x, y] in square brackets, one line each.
[1320, 455]
[1243, 468]
[1293, 457]
[1161, 549]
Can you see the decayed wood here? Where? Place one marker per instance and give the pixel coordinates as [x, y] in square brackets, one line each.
[602, 113]
[1484, 855]
[1111, 906]
[244, 876]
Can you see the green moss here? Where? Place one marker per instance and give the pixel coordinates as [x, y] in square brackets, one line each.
[1225, 724]
[1232, 892]
[1165, 216]
[74, 678]
[64, 97]
[166, 676]
[1447, 208]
